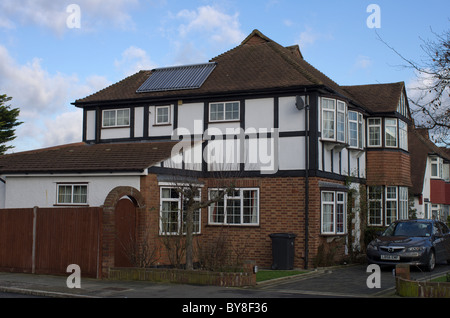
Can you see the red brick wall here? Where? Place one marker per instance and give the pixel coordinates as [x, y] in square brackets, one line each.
[282, 210]
[388, 168]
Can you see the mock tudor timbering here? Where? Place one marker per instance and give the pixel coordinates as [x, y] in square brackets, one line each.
[297, 145]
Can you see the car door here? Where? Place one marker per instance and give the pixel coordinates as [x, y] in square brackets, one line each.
[439, 242]
[446, 244]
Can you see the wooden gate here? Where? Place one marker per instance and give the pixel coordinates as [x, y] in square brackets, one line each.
[125, 239]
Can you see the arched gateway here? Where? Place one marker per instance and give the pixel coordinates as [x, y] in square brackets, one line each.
[123, 211]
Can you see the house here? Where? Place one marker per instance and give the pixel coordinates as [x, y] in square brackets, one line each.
[303, 152]
[430, 176]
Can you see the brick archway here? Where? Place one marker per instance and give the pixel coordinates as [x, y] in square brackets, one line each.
[108, 221]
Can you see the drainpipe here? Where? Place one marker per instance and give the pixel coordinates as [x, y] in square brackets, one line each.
[306, 180]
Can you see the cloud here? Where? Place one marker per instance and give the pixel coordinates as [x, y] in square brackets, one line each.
[44, 101]
[133, 60]
[209, 22]
[309, 37]
[363, 62]
[52, 15]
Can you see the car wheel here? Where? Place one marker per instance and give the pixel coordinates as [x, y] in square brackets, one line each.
[431, 262]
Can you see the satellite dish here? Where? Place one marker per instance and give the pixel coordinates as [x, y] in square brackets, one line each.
[300, 102]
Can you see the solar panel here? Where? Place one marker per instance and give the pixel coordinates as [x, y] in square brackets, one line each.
[177, 77]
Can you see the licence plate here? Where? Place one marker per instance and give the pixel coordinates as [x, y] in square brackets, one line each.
[390, 257]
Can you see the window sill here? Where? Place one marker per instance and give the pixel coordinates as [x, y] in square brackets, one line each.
[334, 145]
[162, 125]
[71, 205]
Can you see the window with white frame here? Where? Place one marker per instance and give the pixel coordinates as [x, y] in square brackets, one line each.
[390, 132]
[436, 167]
[374, 131]
[340, 121]
[435, 211]
[173, 212]
[72, 194]
[391, 205]
[224, 111]
[403, 203]
[402, 135]
[328, 118]
[116, 118]
[162, 114]
[402, 107]
[375, 200]
[355, 130]
[333, 212]
[241, 207]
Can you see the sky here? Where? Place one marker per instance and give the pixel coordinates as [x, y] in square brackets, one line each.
[55, 52]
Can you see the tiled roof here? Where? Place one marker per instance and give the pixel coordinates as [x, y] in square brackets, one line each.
[420, 146]
[257, 64]
[82, 157]
[377, 98]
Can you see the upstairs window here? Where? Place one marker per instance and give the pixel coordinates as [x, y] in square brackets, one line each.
[374, 130]
[328, 118]
[355, 130]
[403, 135]
[116, 118]
[402, 107]
[390, 132]
[224, 111]
[436, 167]
[162, 115]
[340, 122]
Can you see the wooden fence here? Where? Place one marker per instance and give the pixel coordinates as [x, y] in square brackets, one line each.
[47, 240]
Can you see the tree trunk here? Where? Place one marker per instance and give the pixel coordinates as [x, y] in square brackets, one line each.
[189, 238]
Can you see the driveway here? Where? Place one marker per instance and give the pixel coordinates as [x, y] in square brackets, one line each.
[347, 281]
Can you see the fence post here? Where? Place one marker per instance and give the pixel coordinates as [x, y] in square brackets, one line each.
[33, 250]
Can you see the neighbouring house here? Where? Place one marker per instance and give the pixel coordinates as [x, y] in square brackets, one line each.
[430, 175]
[309, 157]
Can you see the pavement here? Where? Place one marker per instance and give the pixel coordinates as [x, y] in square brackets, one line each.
[340, 282]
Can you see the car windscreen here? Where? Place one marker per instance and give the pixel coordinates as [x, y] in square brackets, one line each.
[409, 229]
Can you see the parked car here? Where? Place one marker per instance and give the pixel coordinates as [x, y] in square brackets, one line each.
[416, 242]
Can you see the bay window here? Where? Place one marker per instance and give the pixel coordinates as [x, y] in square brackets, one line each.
[390, 132]
[374, 131]
[355, 130]
[241, 207]
[328, 118]
[403, 135]
[387, 204]
[340, 122]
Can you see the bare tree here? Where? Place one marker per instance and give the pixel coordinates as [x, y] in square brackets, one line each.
[431, 97]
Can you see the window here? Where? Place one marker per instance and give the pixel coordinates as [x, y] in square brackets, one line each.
[162, 115]
[436, 167]
[173, 214]
[355, 130]
[72, 194]
[238, 208]
[328, 114]
[391, 132]
[435, 211]
[403, 135]
[224, 111]
[116, 118]
[403, 203]
[402, 107]
[374, 127]
[333, 212]
[340, 121]
[391, 205]
[375, 198]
